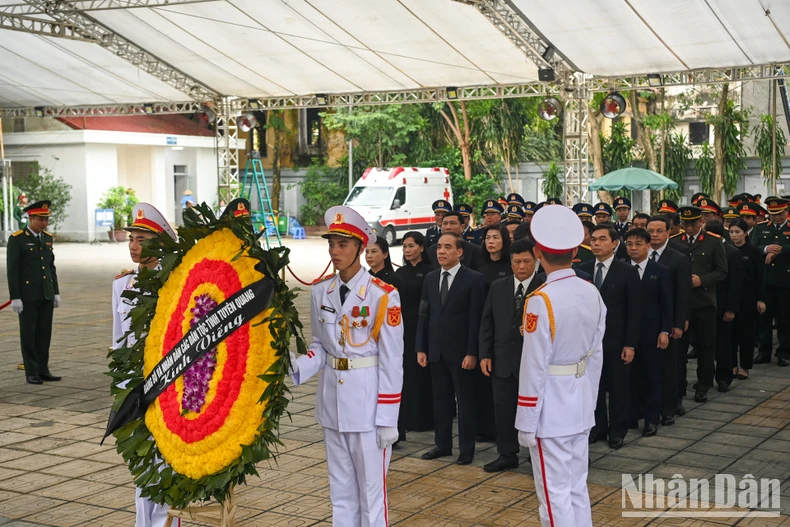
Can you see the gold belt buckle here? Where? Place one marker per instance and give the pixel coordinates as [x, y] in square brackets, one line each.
[341, 363]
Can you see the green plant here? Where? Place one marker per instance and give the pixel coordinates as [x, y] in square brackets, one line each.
[704, 167]
[323, 187]
[121, 200]
[618, 149]
[472, 192]
[677, 157]
[552, 184]
[764, 150]
[731, 126]
[42, 184]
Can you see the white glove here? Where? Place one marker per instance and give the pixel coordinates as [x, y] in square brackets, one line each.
[386, 436]
[294, 364]
[527, 439]
[16, 305]
[57, 300]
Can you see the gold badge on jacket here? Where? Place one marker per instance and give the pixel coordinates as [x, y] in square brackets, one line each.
[532, 322]
[393, 316]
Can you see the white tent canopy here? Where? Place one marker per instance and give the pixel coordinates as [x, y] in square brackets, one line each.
[276, 48]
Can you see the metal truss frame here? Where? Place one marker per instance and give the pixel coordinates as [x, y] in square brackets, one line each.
[63, 6]
[104, 110]
[227, 148]
[575, 137]
[47, 28]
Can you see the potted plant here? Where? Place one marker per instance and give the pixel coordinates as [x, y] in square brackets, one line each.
[121, 200]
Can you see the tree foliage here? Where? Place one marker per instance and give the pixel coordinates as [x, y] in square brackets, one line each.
[704, 167]
[121, 200]
[42, 184]
[323, 187]
[676, 163]
[617, 149]
[552, 184]
[731, 126]
[764, 150]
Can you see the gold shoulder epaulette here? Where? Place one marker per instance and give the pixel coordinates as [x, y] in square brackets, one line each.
[585, 246]
[712, 234]
[382, 284]
[48, 233]
[125, 272]
[19, 232]
[676, 235]
[323, 279]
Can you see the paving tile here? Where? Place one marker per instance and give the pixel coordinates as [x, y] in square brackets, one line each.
[724, 438]
[67, 515]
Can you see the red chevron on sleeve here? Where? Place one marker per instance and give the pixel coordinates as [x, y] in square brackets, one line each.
[310, 354]
[389, 398]
[528, 402]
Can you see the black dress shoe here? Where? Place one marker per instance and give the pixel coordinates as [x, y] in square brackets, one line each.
[501, 463]
[649, 430]
[681, 410]
[761, 359]
[783, 362]
[594, 438]
[436, 452]
[700, 396]
[668, 421]
[35, 379]
[723, 387]
[49, 377]
[616, 442]
[464, 460]
[741, 377]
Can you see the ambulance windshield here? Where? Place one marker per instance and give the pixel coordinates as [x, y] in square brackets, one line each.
[370, 196]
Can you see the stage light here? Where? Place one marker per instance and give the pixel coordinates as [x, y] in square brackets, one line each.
[254, 104]
[246, 122]
[452, 92]
[613, 105]
[39, 111]
[322, 99]
[655, 80]
[549, 109]
[148, 108]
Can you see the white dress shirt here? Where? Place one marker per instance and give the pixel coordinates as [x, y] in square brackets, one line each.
[525, 283]
[641, 267]
[660, 251]
[453, 271]
[606, 265]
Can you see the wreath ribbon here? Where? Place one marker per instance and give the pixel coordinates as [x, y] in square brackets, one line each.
[216, 326]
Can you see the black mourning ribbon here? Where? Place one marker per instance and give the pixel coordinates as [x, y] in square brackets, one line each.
[216, 326]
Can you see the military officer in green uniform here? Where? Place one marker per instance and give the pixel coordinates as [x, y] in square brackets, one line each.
[774, 242]
[19, 211]
[708, 267]
[33, 287]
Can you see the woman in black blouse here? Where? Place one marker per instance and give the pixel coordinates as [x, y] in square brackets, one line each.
[416, 408]
[377, 256]
[495, 263]
[752, 301]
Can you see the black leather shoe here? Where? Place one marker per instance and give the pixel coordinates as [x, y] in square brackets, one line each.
[649, 430]
[436, 452]
[783, 363]
[594, 438]
[681, 410]
[723, 387]
[464, 460]
[700, 396]
[616, 443]
[49, 377]
[761, 359]
[501, 463]
[668, 421]
[35, 379]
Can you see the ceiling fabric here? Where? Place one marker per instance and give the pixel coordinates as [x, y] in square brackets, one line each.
[266, 48]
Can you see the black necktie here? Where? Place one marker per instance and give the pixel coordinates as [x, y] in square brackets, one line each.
[343, 292]
[599, 275]
[691, 240]
[445, 286]
[777, 227]
[519, 299]
[654, 256]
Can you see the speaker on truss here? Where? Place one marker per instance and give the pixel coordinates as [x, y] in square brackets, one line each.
[246, 122]
[546, 75]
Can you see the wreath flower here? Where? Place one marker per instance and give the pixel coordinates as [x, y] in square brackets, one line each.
[210, 427]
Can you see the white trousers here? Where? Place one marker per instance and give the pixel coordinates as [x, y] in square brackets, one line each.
[357, 478]
[150, 514]
[559, 466]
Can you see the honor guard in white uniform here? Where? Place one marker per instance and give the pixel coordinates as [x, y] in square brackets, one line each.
[148, 223]
[563, 326]
[357, 346]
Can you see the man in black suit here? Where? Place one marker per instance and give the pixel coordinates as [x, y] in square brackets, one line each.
[654, 330]
[472, 253]
[728, 297]
[679, 264]
[447, 336]
[620, 289]
[500, 347]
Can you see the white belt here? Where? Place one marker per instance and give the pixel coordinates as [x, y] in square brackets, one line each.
[342, 363]
[578, 369]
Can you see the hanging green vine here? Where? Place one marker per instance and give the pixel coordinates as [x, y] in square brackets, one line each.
[704, 167]
[677, 158]
[733, 125]
[763, 148]
[552, 185]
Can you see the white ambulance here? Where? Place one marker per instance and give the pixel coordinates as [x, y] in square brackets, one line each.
[396, 200]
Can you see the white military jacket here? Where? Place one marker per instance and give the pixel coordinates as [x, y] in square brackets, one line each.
[356, 400]
[121, 308]
[564, 320]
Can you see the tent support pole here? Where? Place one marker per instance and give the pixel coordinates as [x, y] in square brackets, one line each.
[227, 146]
[576, 144]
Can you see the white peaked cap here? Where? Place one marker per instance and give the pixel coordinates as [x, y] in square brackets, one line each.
[556, 229]
[146, 217]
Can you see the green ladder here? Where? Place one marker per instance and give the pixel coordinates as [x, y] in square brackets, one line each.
[255, 178]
